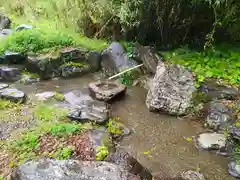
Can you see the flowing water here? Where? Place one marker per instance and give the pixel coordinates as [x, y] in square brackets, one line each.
[158, 141]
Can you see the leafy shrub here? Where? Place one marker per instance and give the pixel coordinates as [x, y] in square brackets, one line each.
[65, 129]
[102, 153]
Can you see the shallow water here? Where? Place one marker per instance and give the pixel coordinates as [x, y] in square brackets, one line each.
[163, 136]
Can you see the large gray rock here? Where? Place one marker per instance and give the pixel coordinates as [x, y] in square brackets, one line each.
[12, 94]
[71, 70]
[219, 115]
[211, 141]
[234, 169]
[148, 56]
[215, 91]
[84, 108]
[14, 58]
[115, 59]
[9, 74]
[5, 22]
[70, 170]
[172, 89]
[129, 163]
[106, 91]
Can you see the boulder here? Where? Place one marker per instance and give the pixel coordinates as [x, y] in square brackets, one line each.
[73, 70]
[9, 73]
[45, 95]
[23, 27]
[72, 54]
[106, 91]
[234, 169]
[148, 56]
[5, 22]
[172, 89]
[14, 58]
[192, 175]
[211, 141]
[12, 94]
[215, 91]
[5, 33]
[93, 58]
[3, 86]
[28, 79]
[219, 115]
[129, 163]
[84, 108]
[46, 65]
[115, 59]
[45, 169]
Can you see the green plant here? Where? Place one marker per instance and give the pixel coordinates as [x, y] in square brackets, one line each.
[47, 113]
[31, 75]
[73, 64]
[59, 96]
[6, 104]
[102, 153]
[65, 129]
[63, 153]
[115, 127]
[128, 77]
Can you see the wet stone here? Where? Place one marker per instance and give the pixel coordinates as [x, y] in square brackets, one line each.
[234, 132]
[84, 108]
[9, 74]
[14, 58]
[106, 91]
[234, 169]
[211, 141]
[94, 59]
[192, 175]
[72, 54]
[45, 95]
[12, 94]
[46, 169]
[73, 71]
[23, 27]
[171, 90]
[219, 115]
[3, 86]
[129, 163]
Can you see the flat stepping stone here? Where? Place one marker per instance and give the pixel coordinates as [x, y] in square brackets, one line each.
[211, 141]
[3, 86]
[106, 91]
[12, 94]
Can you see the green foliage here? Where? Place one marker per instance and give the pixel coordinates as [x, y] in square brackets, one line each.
[59, 96]
[221, 63]
[31, 75]
[115, 127]
[128, 77]
[65, 129]
[47, 113]
[6, 104]
[102, 153]
[73, 64]
[63, 153]
[35, 40]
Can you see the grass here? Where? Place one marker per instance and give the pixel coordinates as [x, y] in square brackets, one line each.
[65, 129]
[62, 153]
[222, 63]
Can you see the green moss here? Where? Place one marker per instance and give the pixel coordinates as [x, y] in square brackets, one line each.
[59, 96]
[73, 64]
[63, 129]
[62, 154]
[102, 153]
[115, 127]
[31, 75]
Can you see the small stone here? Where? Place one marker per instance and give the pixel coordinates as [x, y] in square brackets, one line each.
[211, 141]
[24, 27]
[12, 94]
[45, 95]
[234, 169]
[3, 86]
[192, 175]
[9, 74]
[106, 91]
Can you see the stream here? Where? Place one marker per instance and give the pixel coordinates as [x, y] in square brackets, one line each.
[158, 141]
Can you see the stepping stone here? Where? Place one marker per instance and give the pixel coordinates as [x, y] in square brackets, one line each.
[9, 74]
[3, 86]
[211, 141]
[12, 94]
[45, 95]
[106, 91]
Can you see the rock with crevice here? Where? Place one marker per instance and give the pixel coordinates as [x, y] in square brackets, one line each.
[123, 159]
[115, 59]
[219, 115]
[46, 169]
[106, 91]
[12, 94]
[211, 141]
[72, 54]
[148, 56]
[234, 131]
[10, 74]
[216, 91]
[172, 90]
[84, 108]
